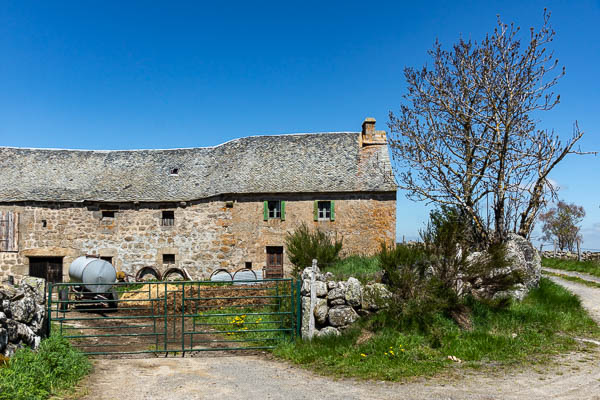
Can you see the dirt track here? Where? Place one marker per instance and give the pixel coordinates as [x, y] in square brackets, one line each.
[572, 376]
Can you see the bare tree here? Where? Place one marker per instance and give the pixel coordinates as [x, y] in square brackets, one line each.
[466, 134]
[562, 223]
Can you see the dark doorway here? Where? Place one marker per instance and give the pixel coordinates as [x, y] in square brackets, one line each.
[274, 268]
[107, 258]
[49, 268]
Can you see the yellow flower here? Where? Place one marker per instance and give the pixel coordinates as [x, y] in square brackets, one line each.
[363, 355]
[385, 354]
[391, 352]
[401, 349]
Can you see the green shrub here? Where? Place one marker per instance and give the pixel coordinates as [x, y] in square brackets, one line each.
[55, 367]
[543, 324]
[304, 245]
[427, 278]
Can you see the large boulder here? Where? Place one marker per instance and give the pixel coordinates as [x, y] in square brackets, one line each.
[375, 296]
[328, 331]
[35, 286]
[320, 288]
[23, 309]
[337, 293]
[321, 310]
[7, 292]
[521, 258]
[342, 316]
[353, 293]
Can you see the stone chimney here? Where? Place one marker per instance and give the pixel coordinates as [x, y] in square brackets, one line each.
[369, 135]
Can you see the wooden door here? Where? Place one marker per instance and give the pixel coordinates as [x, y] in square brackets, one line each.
[274, 268]
[49, 268]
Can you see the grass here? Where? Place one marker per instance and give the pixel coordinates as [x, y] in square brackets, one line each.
[587, 267]
[541, 325]
[362, 268]
[53, 370]
[244, 327]
[573, 279]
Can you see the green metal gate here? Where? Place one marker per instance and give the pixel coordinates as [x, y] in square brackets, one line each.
[176, 316]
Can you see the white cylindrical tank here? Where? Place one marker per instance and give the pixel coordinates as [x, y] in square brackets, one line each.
[94, 274]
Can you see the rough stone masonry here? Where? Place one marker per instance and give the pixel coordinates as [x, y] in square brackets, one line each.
[338, 304]
[200, 208]
[22, 315]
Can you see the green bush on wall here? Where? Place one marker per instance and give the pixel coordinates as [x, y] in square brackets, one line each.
[304, 245]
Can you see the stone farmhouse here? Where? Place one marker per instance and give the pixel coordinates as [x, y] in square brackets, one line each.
[228, 206]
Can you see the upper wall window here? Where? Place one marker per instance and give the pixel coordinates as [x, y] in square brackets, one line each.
[324, 210]
[274, 209]
[168, 218]
[107, 214]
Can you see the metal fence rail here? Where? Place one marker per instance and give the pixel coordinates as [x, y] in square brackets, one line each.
[176, 316]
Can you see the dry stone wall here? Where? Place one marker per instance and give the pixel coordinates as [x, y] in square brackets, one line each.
[22, 315]
[336, 305]
[224, 232]
[568, 255]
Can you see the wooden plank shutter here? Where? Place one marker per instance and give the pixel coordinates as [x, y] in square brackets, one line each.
[9, 231]
[282, 210]
[332, 210]
[3, 231]
[266, 211]
[316, 210]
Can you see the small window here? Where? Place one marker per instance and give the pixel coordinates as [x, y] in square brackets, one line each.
[107, 214]
[44, 223]
[274, 209]
[174, 171]
[324, 211]
[168, 258]
[168, 218]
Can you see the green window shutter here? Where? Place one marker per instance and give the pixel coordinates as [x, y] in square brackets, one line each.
[282, 210]
[266, 211]
[316, 210]
[332, 210]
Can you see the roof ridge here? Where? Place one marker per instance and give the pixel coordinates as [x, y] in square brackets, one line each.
[177, 148]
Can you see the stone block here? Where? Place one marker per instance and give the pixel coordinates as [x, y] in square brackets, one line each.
[342, 316]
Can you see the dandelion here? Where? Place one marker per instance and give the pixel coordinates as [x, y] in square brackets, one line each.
[392, 352]
[363, 355]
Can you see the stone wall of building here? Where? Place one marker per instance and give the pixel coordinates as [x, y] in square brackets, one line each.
[223, 232]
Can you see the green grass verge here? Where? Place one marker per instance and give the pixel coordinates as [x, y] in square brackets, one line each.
[573, 279]
[52, 370]
[245, 328]
[587, 267]
[362, 268]
[542, 324]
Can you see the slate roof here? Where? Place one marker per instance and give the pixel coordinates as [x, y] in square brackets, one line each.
[298, 163]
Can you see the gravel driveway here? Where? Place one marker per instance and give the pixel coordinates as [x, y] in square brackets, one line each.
[572, 376]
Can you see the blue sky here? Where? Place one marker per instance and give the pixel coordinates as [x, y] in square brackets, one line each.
[123, 75]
